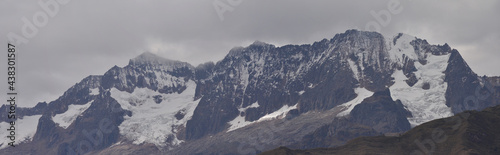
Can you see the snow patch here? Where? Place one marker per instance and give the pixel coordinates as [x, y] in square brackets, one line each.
[94, 91]
[153, 122]
[240, 122]
[280, 113]
[301, 92]
[65, 119]
[311, 85]
[362, 94]
[354, 69]
[25, 130]
[254, 105]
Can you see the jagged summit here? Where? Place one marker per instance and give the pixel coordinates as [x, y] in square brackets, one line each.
[260, 43]
[256, 45]
[236, 51]
[148, 58]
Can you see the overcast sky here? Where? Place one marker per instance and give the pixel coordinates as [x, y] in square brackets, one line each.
[88, 37]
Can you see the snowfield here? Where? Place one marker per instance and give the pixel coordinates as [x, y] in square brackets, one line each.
[94, 91]
[425, 105]
[362, 94]
[239, 121]
[65, 119]
[25, 130]
[153, 122]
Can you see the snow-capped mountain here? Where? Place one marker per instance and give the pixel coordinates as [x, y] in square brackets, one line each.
[259, 97]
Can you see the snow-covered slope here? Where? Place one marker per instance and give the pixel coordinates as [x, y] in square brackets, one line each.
[426, 98]
[424, 104]
[25, 129]
[278, 114]
[65, 119]
[240, 121]
[400, 48]
[155, 116]
[362, 94]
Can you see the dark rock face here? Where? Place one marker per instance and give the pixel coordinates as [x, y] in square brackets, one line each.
[495, 80]
[490, 90]
[246, 76]
[369, 52]
[21, 111]
[467, 91]
[376, 115]
[202, 72]
[382, 113]
[408, 70]
[98, 127]
[469, 132]
[330, 91]
[273, 77]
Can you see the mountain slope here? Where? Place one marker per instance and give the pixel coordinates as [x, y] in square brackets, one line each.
[469, 132]
[110, 111]
[375, 115]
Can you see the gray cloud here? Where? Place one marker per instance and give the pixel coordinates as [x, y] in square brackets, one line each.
[89, 37]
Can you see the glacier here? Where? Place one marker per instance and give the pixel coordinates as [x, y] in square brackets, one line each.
[153, 122]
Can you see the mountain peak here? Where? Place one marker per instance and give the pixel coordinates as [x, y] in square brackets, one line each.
[260, 43]
[148, 58]
[236, 51]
